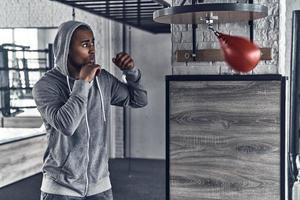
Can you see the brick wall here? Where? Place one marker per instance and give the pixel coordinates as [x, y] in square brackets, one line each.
[266, 34]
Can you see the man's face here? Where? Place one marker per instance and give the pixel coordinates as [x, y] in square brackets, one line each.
[82, 49]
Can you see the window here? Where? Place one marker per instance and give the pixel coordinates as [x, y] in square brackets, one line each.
[24, 58]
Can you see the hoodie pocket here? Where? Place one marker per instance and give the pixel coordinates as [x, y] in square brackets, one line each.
[72, 167]
[53, 166]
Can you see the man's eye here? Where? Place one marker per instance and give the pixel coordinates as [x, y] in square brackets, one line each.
[84, 45]
[92, 44]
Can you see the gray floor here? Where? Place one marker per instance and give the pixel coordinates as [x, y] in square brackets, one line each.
[137, 179]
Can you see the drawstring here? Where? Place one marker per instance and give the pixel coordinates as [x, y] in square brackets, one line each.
[69, 84]
[101, 95]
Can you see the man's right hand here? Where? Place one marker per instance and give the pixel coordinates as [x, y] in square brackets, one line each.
[89, 71]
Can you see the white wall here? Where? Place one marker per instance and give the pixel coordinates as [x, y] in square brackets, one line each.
[151, 53]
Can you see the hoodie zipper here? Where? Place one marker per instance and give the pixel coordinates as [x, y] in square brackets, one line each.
[88, 144]
[88, 156]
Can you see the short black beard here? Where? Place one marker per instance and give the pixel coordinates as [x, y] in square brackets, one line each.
[74, 64]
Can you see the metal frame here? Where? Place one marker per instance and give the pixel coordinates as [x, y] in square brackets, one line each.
[5, 90]
[268, 77]
[135, 13]
[199, 13]
[294, 131]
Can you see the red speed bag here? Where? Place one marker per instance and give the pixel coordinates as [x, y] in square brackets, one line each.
[240, 53]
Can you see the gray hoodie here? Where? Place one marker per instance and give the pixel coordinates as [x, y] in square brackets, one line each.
[74, 113]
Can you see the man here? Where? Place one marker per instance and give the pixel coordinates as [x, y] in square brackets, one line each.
[73, 99]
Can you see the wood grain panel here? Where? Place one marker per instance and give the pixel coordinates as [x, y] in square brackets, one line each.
[206, 55]
[22, 122]
[21, 159]
[224, 140]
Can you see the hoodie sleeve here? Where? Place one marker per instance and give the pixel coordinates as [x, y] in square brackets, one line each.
[132, 93]
[63, 116]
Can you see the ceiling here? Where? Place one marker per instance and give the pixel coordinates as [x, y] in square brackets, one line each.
[136, 13]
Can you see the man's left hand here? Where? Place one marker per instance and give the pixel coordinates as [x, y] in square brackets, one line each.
[123, 61]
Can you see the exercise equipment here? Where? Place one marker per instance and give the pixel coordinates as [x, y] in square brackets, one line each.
[240, 53]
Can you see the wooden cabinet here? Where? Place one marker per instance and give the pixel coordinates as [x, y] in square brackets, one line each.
[225, 137]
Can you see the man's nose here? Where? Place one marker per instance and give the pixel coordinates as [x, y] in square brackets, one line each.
[92, 49]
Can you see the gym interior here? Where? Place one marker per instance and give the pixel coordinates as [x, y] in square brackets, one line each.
[222, 79]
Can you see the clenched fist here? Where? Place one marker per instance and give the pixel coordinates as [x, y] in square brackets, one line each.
[123, 61]
[89, 71]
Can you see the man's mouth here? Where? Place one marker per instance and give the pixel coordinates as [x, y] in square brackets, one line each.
[92, 59]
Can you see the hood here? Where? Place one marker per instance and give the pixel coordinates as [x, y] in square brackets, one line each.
[62, 42]
[61, 51]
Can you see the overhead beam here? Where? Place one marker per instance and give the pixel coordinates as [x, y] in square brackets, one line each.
[113, 3]
[100, 9]
[131, 6]
[137, 10]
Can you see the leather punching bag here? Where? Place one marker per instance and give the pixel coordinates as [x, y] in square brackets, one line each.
[240, 53]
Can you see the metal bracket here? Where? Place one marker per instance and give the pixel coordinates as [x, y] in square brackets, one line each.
[184, 1]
